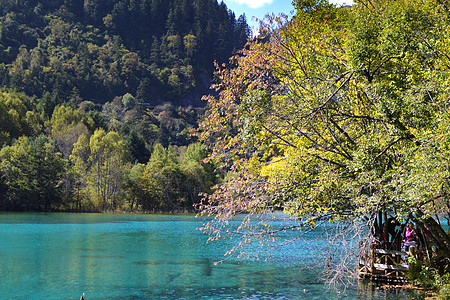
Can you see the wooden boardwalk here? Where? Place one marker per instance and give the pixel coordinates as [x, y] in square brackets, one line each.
[381, 265]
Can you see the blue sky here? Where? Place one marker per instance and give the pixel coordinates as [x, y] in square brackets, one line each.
[260, 8]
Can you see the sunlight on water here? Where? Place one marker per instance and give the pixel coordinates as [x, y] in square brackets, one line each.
[61, 256]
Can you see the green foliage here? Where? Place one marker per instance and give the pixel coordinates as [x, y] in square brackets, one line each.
[66, 125]
[338, 114]
[171, 180]
[17, 117]
[31, 172]
[432, 277]
[422, 275]
[137, 146]
[103, 160]
[109, 48]
[128, 101]
[104, 80]
[200, 175]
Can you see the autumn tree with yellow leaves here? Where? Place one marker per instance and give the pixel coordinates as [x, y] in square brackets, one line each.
[339, 114]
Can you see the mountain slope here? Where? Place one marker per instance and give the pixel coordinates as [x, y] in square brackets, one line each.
[157, 50]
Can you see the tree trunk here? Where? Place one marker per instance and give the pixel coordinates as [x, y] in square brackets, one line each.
[433, 232]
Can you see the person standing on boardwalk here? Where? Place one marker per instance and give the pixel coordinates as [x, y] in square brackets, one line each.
[410, 238]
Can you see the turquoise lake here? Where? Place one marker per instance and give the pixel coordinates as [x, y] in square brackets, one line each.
[61, 256]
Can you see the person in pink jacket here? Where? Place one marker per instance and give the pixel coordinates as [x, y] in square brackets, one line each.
[410, 237]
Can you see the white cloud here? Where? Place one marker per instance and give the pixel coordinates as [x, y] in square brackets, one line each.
[342, 2]
[253, 3]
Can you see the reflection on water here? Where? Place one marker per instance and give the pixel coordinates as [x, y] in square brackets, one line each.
[207, 267]
[60, 256]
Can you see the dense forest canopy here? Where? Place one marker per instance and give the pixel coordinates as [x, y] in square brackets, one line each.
[98, 99]
[95, 50]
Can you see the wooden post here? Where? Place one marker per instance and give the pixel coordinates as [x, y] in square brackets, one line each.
[372, 261]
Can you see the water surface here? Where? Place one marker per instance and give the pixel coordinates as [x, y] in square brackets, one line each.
[61, 256]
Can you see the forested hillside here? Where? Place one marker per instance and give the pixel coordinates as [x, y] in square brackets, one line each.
[156, 50]
[98, 98]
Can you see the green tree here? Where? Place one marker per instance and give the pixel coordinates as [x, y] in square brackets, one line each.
[190, 44]
[108, 153]
[102, 165]
[113, 113]
[16, 117]
[200, 176]
[128, 101]
[164, 180]
[135, 186]
[137, 146]
[149, 191]
[79, 172]
[66, 125]
[340, 115]
[31, 172]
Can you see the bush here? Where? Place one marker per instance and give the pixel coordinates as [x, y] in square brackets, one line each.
[423, 275]
[444, 292]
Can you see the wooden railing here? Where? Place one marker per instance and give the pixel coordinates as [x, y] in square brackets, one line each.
[383, 265]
